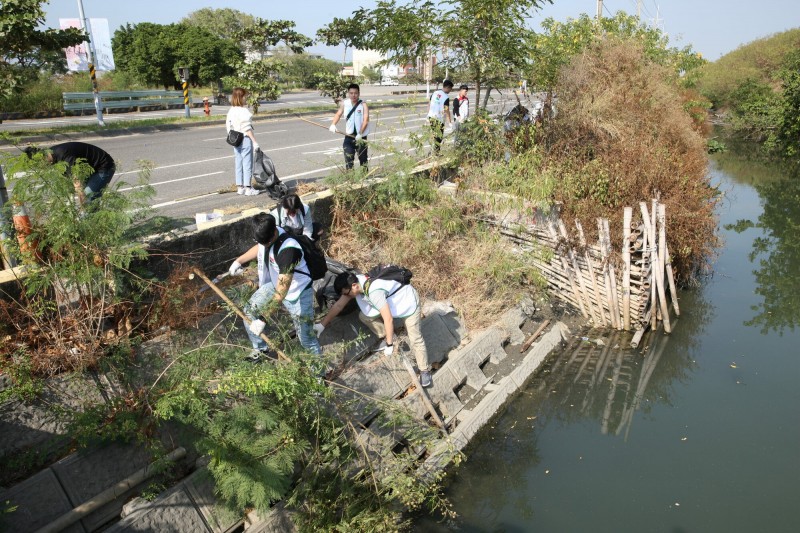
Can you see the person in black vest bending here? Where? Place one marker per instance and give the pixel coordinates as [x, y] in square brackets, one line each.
[356, 126]
[101, 163]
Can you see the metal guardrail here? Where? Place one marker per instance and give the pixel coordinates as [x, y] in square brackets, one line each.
[122, 99]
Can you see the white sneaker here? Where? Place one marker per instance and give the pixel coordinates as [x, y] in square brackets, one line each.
[252, 192]
[240, 190]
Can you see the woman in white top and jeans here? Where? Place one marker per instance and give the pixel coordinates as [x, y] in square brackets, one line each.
[239, 119]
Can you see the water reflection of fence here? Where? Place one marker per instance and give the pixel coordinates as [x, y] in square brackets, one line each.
[594, 377]
[624, 288]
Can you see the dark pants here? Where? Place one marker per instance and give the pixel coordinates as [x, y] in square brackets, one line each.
[350, 146]
[97, 182]
[438, 134]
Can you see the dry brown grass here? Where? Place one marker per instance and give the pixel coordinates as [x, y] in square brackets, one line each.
[622, 136]
[452, 257]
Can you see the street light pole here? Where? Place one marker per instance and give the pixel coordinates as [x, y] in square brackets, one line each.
[86, 27]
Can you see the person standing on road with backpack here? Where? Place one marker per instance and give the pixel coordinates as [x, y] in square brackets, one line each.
[356, 127]
[438, 110]
[381, 302]
[283, 277]
[239, 119]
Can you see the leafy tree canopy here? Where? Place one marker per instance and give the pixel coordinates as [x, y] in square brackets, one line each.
[559, 42]
[224, 23]
[487, 38]
[153, 53]
[25, 49]
[265, 34]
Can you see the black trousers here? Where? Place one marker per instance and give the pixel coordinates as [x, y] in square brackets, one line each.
[351, 147]
[438, 134]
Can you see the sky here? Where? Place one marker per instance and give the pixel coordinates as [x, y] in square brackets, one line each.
[711, 27]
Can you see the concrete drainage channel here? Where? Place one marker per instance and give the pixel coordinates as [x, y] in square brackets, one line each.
[478, 373]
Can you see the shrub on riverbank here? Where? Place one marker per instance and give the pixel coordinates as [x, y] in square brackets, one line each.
[622, 134]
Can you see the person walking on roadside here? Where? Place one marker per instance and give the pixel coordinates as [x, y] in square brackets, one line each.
[461, 107]
[381, 303]
[240, 119]
[101, 163]
[356, 127]
[283, 278]
[438, 110]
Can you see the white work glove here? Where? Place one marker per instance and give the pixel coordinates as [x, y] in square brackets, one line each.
[449, 128]
[235, 269]
[256, 147]
[257, 326]
[358, 137]
[319, 328]
[389, 350]
[332, 129]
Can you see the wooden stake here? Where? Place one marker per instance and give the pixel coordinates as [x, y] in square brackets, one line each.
[569, 273]
[576, 268]
[670, 276]
[606, 276]
[423, 394]
[626, 273]
[592, 272]
[662, 238]
[529, 341]
[238, 311]
[612, 275]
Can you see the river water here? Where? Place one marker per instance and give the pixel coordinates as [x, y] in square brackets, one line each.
[698, 431]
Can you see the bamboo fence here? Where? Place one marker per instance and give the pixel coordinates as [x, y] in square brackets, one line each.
[626, 285]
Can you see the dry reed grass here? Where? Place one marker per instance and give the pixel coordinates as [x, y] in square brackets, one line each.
[622, 136]
[453, 258]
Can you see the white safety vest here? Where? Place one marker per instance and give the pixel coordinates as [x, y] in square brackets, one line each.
[268, 270]
[436, 109]
[356, 120]
[402, 303]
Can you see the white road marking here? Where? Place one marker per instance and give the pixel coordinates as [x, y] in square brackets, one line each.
[172, 181]
[260, 133]
[181, 164]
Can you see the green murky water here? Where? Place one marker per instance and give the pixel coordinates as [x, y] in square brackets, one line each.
[698, 431]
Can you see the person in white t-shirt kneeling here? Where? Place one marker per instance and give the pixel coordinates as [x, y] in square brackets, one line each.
[384, 302]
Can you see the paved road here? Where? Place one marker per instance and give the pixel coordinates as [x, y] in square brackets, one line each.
[191, 166]
[288, 100]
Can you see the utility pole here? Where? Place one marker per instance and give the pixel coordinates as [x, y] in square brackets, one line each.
[183, 72]
[86, 27]
[599, 9]
[639, 9]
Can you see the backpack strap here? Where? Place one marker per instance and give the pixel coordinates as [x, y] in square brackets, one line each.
[276, 247]
[353, 110]
[369, 282]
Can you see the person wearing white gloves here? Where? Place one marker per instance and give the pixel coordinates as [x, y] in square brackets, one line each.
[283, 278]
[382, 302]
[239, 118]
[356, 127]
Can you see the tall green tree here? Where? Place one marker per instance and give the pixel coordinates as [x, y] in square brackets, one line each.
[26, 48]
[346, 32]
[489, 39]
[263, 35]
[259, 76]
[224, 23]
[153, 52]
[789, 130]
[555, 46]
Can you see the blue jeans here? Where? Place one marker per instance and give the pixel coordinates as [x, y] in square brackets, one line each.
[97, 182]
[243, 161]
[302, 312]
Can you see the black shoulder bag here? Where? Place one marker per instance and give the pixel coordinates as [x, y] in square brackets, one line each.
[234, 137]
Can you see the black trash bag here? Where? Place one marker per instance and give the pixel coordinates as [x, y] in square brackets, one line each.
[265, 177]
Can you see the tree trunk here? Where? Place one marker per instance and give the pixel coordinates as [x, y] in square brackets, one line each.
[486, 96]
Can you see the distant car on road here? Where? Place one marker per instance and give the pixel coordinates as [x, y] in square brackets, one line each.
[389, 81]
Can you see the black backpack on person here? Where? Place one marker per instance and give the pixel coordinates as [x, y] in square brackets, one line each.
[456, 104]
[315, 258]
[396, 273]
